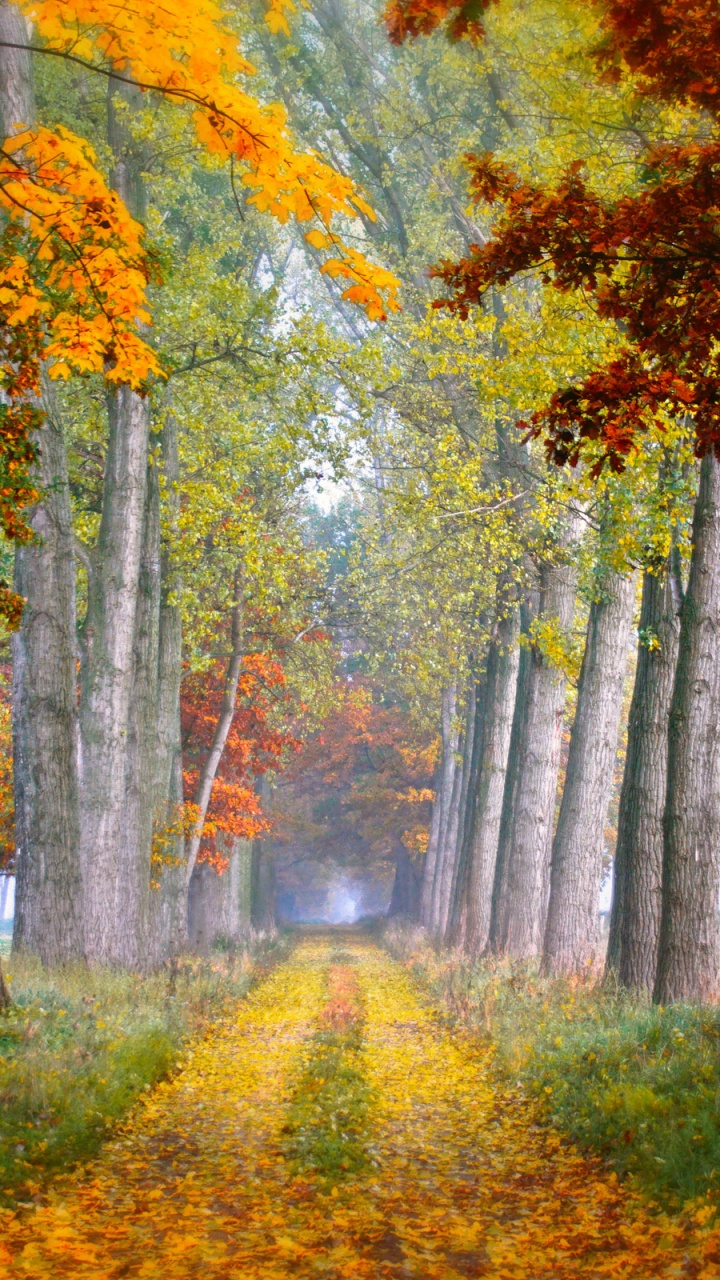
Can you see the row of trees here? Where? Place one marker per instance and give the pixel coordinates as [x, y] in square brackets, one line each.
[501, 874]
[164, 584]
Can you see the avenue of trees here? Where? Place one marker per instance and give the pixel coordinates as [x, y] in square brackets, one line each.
[474, 283]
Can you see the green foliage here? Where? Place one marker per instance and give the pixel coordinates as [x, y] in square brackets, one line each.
[636, 1083]
[77, 1048]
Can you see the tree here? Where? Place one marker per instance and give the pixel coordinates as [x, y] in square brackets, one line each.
[648, 260]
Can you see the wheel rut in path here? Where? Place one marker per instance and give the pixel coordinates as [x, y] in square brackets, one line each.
[333, 1128]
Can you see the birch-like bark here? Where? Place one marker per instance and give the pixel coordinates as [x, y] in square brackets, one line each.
[637, 882]
[116, 874]
[576, 867]
[456, 826]
[689, 954]
[222, 728]
[48, 911]
[501, 687]
[518, 930]
[169, 905]
[441, 807]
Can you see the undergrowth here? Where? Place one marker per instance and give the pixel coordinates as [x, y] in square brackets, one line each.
[636, 1083]
[79, 1046]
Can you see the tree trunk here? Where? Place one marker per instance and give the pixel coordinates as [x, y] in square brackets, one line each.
[117, 880]
[457, 920]
[48, 911]
[518, 931]
[115, 891]
[146, 786]
[441, 807]
[637, 884]
[456, 824]
[689, 945]
[405, 896]
[576, 867]
[263, 888]
[222, 729]
[219, 905]
[501, 688]
[498, 907]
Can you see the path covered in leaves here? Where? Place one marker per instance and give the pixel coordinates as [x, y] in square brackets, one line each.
[333, 1128]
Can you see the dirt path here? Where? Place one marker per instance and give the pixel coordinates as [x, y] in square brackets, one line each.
[333, 1129]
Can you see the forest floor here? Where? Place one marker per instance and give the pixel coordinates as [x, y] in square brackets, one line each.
[333, 1127]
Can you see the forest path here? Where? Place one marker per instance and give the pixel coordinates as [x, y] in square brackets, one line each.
[333, 1128]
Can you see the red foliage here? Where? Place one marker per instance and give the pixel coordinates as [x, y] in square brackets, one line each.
[413, 18]
[252, 747]
[650, 261]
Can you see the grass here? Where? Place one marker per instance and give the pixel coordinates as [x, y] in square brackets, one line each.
[640, 1085]
[78, 1047]
[326, 1127]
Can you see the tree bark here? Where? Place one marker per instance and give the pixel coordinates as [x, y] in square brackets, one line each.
[115, 893]
[637, 882]
[405, 896]
[48, 912]
[576, 867]
[498, 907]
[500, 693]
[521, 904]
[263, 888]
[441, 808]
[222, 728]
[117, 880]
[689, 952]
[169, 904]
[456, 825]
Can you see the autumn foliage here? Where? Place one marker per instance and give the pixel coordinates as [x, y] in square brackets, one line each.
[73, 264]
[253, 745]
[366, 776]
[648, 260]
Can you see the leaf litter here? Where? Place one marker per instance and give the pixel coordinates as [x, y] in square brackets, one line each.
[332, 1127]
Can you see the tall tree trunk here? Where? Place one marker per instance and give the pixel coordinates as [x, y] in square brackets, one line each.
[501, 688]
[457, 919]
[576, 867]
[115, 891]
[518, 931]
[456, 824]
[146, 789]
[441, 808]
[498, 906]
[689, 952]
[637, 884]
[48, 912]
[170, 915]
[117, 880]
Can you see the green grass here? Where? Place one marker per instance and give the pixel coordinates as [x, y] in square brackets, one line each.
[78, 1047]
[327, 1124]
[637, 1084]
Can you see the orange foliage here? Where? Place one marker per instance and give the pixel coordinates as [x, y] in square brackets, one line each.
[367, 777]
[253, 745]
[73, 269]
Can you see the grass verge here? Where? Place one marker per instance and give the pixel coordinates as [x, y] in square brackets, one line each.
[79, 1046]
[326, 1127]
[638, 1084]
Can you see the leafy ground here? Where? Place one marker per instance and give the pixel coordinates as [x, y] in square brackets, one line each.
[638, 1084]
[332, 1126]
[74, 1057]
